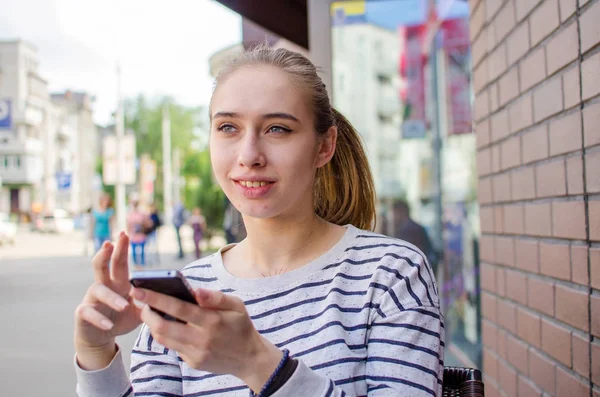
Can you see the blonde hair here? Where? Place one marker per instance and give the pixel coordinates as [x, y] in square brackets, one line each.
[344, 189]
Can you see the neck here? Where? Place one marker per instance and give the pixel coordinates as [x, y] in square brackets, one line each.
[275, 246]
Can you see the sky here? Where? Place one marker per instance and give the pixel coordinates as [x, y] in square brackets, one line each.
[163, 47]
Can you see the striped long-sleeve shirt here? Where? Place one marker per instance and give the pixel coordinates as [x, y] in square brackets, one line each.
[363, 320]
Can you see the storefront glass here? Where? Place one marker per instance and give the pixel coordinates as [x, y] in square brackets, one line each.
[402, 86]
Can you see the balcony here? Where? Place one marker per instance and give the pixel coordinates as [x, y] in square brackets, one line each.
[20, 169]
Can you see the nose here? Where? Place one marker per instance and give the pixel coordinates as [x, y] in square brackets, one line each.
[251, 154]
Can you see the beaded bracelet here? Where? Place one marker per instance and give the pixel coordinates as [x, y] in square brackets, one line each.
[275, 374]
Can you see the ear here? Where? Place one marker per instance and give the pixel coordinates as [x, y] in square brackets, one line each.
[326, 148]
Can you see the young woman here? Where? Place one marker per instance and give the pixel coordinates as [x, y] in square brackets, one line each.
[102, 221]
[198, 224]
[310, 303]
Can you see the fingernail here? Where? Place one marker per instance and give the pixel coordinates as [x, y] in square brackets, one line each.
[121, 303]
[121, 234]
[107, 324]
[138, 294]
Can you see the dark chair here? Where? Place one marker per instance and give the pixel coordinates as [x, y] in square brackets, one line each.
[462, 382]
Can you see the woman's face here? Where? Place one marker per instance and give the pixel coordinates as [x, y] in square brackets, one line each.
[264, 149]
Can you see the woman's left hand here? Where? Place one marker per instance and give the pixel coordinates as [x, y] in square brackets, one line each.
[219, 336]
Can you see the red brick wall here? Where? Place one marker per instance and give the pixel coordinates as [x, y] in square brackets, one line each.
[536, 76]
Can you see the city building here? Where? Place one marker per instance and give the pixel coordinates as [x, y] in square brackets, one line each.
[516, 112]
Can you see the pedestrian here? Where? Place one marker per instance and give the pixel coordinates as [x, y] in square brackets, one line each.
[198, 224]
[179, 218]
[405, 228]
[136, 220]
[102, 221]
[153, 223]
[311, 302]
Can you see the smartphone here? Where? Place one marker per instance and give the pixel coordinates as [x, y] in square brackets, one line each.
[168, 282]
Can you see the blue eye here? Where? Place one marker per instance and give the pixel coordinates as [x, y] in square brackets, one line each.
[226, 128]
[277, 129]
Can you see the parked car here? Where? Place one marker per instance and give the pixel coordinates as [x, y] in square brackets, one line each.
[60, 221]
[8, 229]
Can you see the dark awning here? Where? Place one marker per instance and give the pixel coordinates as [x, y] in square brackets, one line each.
[286, 18]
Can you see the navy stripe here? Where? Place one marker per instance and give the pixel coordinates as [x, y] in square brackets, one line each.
[406, 344]
[328, 344]
[202, 279]
[128, 392]
[157, 377]
[145, 352]
[205, 266]
[368, 305]
[330, 390]
[423, 310]
[385, 379]
[150, 340]
[408, 326]
[329, 324]
[227, 290]
[152, 362]
[217, 391]
[166, 351]
[156, 393]
[198, 378]
[307, 301]
[405, 279]
[403, 363]
[338, 361]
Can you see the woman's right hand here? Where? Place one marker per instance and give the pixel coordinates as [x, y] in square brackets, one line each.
[106, 311]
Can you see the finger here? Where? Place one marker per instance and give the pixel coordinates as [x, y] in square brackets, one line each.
[177, 308]
[168, 333]
[100, 263]
[90, 315]
[120, 269]
[101, 293]
[218, 300]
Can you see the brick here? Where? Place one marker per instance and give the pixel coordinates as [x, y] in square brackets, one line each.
[489, 306]
[575, 175]
[571, 93]
[507, 316]
[590, 30]
[516, 286]
[476, 23]
[596, 363]
[500, 127]
[486, 249]
[540, 296]
[507, 378]
[481, 107]
[595, 306]
[538, 221]
[488, 277]
[547, 99]
[486, 219]
[501, 343]
[489, 335]
[595, 268]
[504, 22]
[484, 191]
[535, 144]
[497, 62]
[484, 162]
[482, 133]
[500, 283]
[568, 385]
[581, 355]
[572, 306]
[594, 220]
[532, 69]
[481, 75]
[520, 113]
[590, 78]
[491, 8]
[568, 220]
[592, 172]
[556, 342]
[527, 255]
[491, 389]
[498, 219]
[505, 251]
[579, 264]
[524, 7]
[490, 363]
[518, 43]
[501, 187]
[567, 9]
[591, 125]
[562, 49]
[527, 388]
[494, 101]
[542, 371]
[555, 260]
[544, 20]
[551, 179]
[513, 219]
[517, 354]
[529, 327]
[511, 152]
[495, 158]
[565, 134]
[509, 86]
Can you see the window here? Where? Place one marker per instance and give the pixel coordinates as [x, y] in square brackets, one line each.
[17, 161]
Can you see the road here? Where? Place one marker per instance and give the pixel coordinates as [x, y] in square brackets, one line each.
[42, 280]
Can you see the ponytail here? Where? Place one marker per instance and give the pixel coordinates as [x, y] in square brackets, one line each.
[344, 189]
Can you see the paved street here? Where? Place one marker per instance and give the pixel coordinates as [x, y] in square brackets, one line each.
[42, 279]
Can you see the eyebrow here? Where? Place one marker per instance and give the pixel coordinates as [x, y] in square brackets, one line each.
[277, 115]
